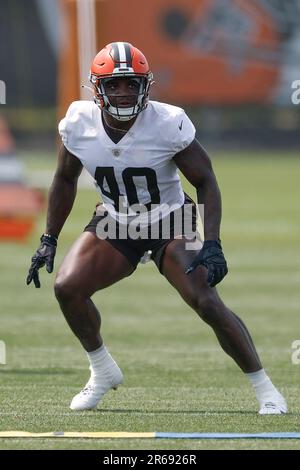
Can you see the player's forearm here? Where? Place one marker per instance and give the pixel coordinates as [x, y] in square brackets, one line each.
[61, 198]
[209, 195]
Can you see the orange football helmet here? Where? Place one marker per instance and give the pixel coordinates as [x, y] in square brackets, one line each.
[120, 59]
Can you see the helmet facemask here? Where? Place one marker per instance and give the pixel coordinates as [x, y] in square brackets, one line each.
[112, 103]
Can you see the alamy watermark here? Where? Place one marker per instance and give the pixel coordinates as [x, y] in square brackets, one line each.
[2, 92]
[150, 222]
[2, 352]
[296, 353]
[296, 94]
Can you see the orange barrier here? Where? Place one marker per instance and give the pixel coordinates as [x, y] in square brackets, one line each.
[19, 207]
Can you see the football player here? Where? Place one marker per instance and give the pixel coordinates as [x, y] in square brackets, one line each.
[133, 149]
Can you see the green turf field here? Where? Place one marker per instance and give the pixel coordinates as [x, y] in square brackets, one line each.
[177, 378]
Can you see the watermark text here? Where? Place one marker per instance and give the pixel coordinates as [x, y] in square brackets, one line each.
[2, 92]
[296, 353]
[296, 94]
[158, 221]
[2, 352]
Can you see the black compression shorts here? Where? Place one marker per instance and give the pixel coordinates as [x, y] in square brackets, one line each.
[135, 249]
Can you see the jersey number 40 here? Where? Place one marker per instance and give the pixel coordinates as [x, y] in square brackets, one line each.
[106, 176]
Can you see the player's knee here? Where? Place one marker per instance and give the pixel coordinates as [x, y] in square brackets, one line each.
[64, 289]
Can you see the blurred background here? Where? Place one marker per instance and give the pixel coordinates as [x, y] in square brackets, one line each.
[230, 63]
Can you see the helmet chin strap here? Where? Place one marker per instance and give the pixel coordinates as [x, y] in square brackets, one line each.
[124, 131]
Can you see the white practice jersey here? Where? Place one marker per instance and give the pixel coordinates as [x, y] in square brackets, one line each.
[139, 169]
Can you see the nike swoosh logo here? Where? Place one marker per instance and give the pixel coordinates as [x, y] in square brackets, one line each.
[180, 127]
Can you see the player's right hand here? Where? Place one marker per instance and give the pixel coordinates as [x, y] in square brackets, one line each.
[43, 256]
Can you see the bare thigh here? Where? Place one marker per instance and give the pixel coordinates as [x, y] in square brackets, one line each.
[92, 264]
[192, 287]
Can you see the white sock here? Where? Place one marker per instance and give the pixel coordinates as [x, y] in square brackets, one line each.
[100, 361]
[262, 385]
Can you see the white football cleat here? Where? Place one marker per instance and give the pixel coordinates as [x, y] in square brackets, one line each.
[274, 405]
[96, 388]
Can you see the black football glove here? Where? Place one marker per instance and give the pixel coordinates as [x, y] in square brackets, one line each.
[43, 256]
[211, 256]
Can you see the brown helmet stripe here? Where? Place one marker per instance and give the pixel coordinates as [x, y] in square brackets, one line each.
[115, 54]
[121, 54]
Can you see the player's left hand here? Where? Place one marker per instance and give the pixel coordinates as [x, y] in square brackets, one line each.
[211, 256]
